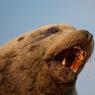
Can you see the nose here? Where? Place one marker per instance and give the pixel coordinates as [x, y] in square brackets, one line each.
[88, 35]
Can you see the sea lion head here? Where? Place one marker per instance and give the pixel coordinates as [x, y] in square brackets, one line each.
[66, 51]
[46, 60]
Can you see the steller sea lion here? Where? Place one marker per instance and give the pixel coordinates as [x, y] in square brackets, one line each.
[46, 61]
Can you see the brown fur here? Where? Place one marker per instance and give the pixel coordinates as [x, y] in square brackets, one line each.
[26, 67]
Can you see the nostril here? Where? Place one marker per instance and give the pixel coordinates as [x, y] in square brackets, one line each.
[90, 36]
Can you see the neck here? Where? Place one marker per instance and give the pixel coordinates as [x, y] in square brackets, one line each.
[67, 89]
[44, 85]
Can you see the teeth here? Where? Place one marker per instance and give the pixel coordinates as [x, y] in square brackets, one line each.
[75, 47]
[64, 62]
[75, 70]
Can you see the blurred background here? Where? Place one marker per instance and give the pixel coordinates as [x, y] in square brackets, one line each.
[18, 16]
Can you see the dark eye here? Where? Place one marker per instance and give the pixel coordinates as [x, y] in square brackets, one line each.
[53, 30]
[49, 31]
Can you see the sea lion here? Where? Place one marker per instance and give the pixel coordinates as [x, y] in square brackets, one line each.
[46, 61]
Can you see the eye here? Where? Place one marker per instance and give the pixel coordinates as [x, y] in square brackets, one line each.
[53, 30]
[46, 33]
[49, 31]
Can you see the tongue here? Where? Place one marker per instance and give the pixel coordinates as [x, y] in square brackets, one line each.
[78, 61]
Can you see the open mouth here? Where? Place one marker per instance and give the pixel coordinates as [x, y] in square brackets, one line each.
[72, 57]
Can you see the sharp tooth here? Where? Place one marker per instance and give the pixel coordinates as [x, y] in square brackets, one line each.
[64, 61]
[75, 47]
[75, 70]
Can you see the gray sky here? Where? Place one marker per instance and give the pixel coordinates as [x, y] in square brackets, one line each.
[18, 16]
